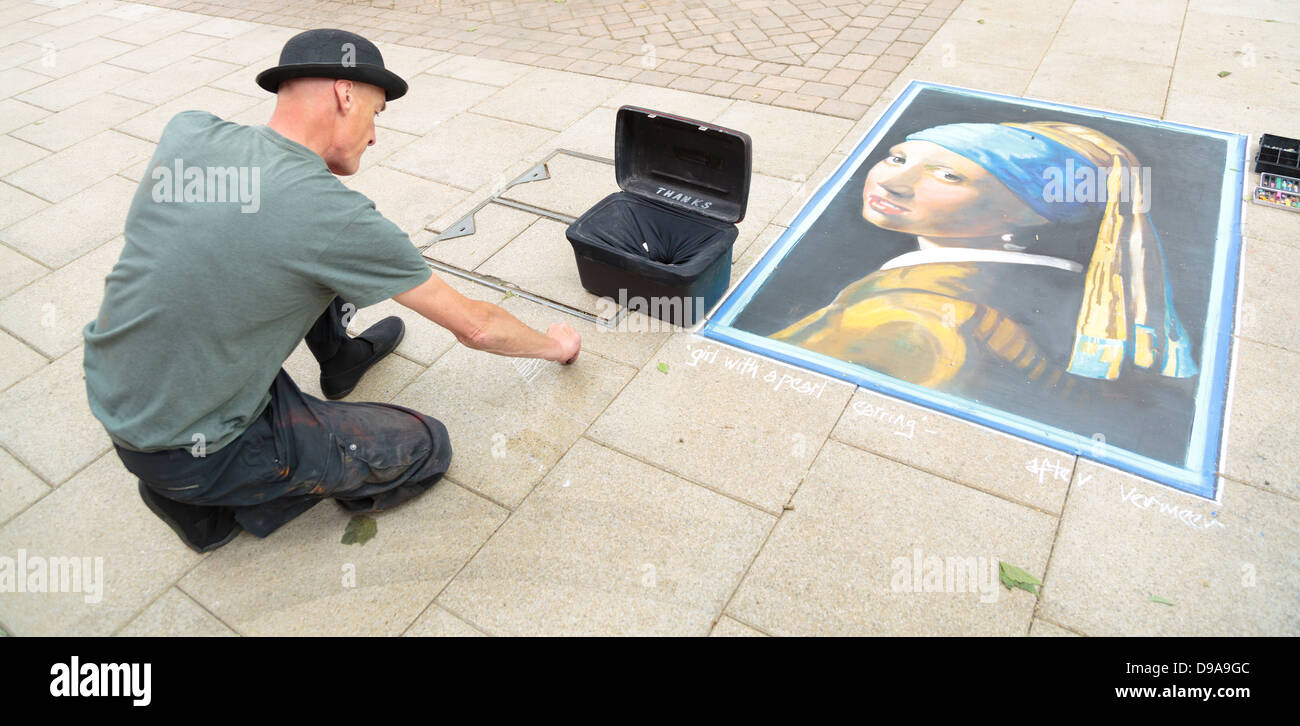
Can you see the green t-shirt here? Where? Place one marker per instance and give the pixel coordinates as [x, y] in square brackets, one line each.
[236, 241]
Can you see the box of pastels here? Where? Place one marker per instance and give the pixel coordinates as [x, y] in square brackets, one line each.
[1275, 190]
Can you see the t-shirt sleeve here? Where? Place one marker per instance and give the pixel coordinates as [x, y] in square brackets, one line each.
[370, 261]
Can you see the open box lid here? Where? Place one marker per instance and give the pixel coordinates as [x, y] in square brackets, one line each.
[682, 163]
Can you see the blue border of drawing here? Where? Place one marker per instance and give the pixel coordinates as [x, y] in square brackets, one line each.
[1198, 475]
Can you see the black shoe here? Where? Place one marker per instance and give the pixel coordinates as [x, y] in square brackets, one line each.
[202, 529]
[383, 337]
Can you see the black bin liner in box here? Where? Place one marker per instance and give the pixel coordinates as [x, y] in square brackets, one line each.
[662, 246]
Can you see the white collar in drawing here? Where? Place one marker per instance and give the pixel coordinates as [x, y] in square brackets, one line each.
[972, 254]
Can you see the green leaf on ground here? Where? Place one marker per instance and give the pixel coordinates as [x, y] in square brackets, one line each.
[1161, 600]
[1013, 576]
[361, 529]
[663, 367]
[981, 22]
[1224, 74]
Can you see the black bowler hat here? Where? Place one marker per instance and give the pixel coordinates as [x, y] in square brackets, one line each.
[328, 53]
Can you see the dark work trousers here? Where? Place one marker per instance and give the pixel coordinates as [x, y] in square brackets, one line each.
[302, 449]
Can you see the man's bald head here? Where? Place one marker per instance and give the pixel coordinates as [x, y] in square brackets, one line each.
[333, 117]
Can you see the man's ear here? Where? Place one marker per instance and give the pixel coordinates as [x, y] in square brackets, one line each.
[345, 95]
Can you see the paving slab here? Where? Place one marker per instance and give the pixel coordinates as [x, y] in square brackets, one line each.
[1269, 305]
[248, 47]
[50, 313]
[1257, 56]
[18, 154]
[1153, 41]
[175, 615]
[69, 12]
[945, 66]
[609, 545]
[773, 129]
[436, 622]
[409, 61]
[15, 81]
[1040, 15]
[510, 420]
[728, 627]
[151, 26]
[63, 174]
[1087, 80]
[244, 80]
[1004, 42]
[727, 419]
[58, 131]
[574, 186]
[540, 260]
[631, 342]
[430, 101]
[1155, 11]
[767, 196]
[873, 547]
[408, 201]
[76, 32]
[16, 114]
[387, 141]
[164, 52]
[494, 226]
[592, 134]
[17, 54]
[1044, 629]
[980, 457]
[697, 106]
[74, 88]
[1258, 9]
[222, 104]
[58, 62]
[469, 150]
[1262, 428]
[96, 514]
[1262, 223]
[175, 79]
[301, 580]
[16, 205]
[743, 261]
[16, 31]
[480, 70]
[66, 436]
[222, 27]
[548, 98]
[260, 113]
[85, 220]
[19, 488]
[1227, 567]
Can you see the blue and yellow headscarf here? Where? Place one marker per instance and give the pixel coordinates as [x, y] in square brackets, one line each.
[1127, 261]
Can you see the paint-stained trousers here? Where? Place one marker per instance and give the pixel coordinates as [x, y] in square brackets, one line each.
[301, 450]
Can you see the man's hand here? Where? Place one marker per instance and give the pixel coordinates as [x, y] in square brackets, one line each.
[487, 327]
[568, 340]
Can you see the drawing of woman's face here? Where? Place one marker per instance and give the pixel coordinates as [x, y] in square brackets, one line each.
[922, 188]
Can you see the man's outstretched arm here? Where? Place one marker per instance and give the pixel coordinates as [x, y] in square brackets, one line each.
[487, 327]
